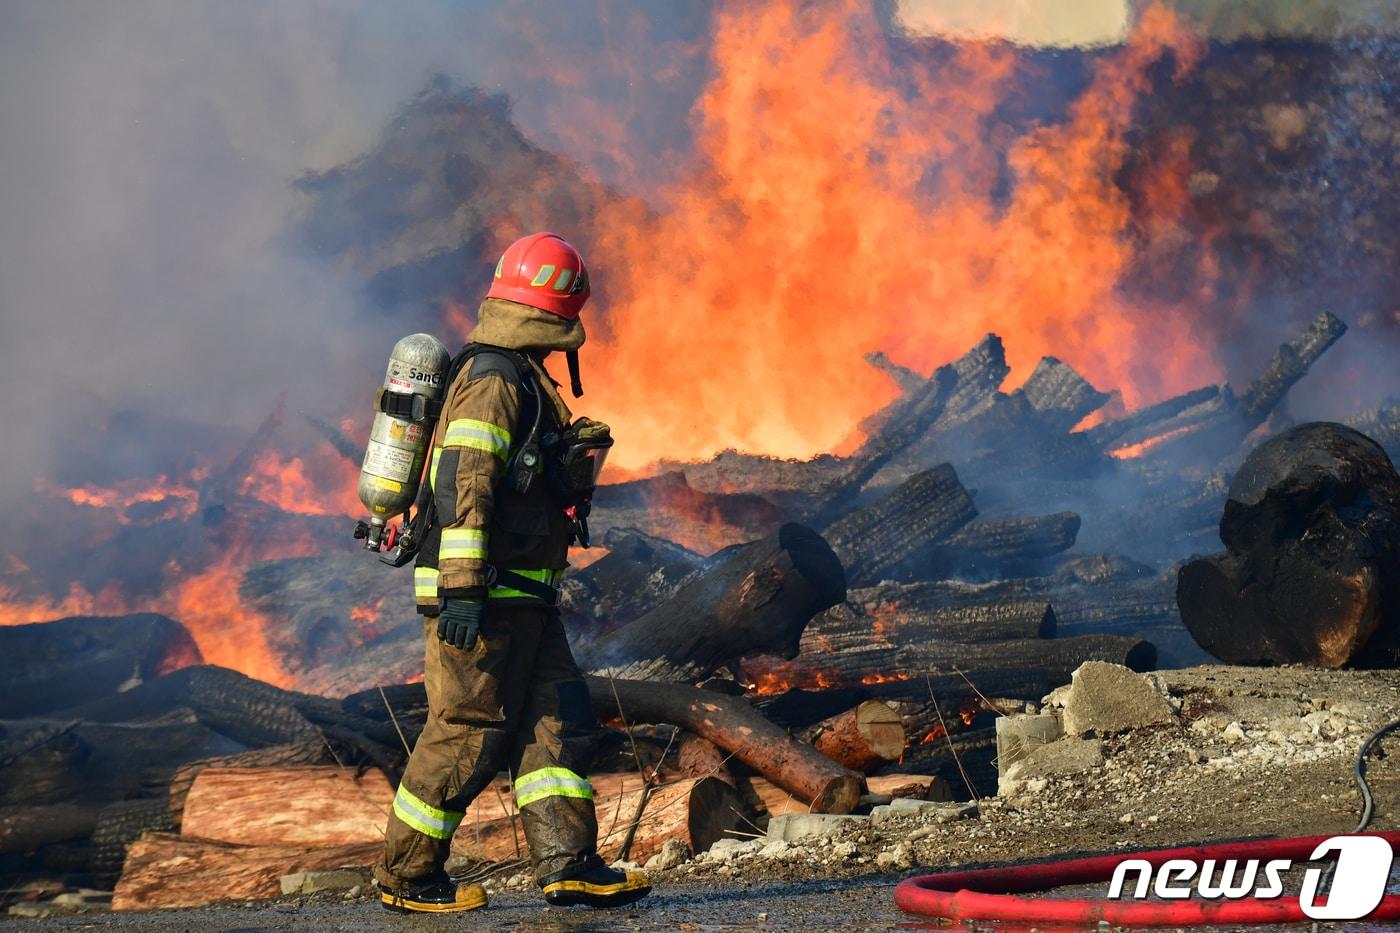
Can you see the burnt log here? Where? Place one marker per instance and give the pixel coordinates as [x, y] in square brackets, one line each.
[118, 826]
[948, 756]
[1059, 395]
[1165, 417]
[1382, 425]
[1311, 571]
[904, 377]
[667, 505]
[253, 713]
[51, 666]
[27, 829]
[105, 762]
[895, 533]
[732, 724]
[797, 708]
[888, 432]
[1224, 432]
[988, 548]
[1056, 657]
[755, 600]
[863, 738]
[638, 573]
[870, 617]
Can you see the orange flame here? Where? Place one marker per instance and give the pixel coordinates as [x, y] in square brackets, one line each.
[285, 484]
[832, 213]
[1134, 451]
[207, 603]
[778, 679]
[180, 500]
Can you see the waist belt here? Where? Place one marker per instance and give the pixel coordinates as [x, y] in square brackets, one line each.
[542, 585]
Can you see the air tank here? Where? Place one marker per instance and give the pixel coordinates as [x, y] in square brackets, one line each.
[402, 430]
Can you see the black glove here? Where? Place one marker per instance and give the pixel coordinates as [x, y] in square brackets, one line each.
[459, 623]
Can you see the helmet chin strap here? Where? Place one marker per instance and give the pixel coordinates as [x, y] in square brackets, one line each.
[575, 383]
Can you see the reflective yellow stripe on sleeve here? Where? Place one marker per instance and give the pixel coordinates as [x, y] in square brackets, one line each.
[551, 782]
[427, 819]
[460, 543]
[482, 435]
[425, 582]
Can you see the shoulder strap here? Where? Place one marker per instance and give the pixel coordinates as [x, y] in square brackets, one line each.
[519, 366]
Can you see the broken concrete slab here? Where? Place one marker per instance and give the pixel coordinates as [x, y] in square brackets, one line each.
[1066, 756]
[905, 807]
[791, 827]
[1018, 736]
[313, 882]
[84, 899]
[673, 852]
[1107, 699]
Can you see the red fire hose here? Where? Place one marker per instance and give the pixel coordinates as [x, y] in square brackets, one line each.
[991, 893]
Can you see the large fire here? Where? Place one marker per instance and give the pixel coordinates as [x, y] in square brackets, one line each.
[843, 201]
[201, 588]
[844, 197]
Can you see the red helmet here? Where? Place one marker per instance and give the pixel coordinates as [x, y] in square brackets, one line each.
[542, 271]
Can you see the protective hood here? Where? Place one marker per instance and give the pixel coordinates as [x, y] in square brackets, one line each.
[515, 326]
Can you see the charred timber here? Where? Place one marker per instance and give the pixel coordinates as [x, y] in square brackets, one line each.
[1057, 657]
[1311, 571]
[757, 599]
[898, 530]
[874, 621]
[1290, 363]
[985, 547]
[638, 573]
[1060, 396]
[798, 708]
[51, 666]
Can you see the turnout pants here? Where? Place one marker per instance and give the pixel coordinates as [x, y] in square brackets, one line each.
[514, 701]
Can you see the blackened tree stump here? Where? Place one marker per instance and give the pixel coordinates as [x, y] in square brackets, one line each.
[1311, 571]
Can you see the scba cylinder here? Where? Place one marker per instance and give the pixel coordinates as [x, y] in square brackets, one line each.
[402, 430]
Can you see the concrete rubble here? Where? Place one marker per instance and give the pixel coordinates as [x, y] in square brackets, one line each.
[1113, 759]
[1107, 699]
[314, 882]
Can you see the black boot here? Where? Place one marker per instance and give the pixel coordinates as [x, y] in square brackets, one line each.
[437, 895]
[589, 881]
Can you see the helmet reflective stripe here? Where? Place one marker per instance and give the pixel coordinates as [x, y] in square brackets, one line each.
[551, 782]
[463, 544]
[527, 274]
[427, 819]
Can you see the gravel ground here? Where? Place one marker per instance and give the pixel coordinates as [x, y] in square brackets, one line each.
[1256, 752]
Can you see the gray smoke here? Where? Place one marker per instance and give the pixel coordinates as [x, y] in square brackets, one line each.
[147, 154]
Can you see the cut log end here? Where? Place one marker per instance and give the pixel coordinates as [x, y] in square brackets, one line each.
[863, 738]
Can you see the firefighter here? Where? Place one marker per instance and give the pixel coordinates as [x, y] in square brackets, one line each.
[503, 690]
